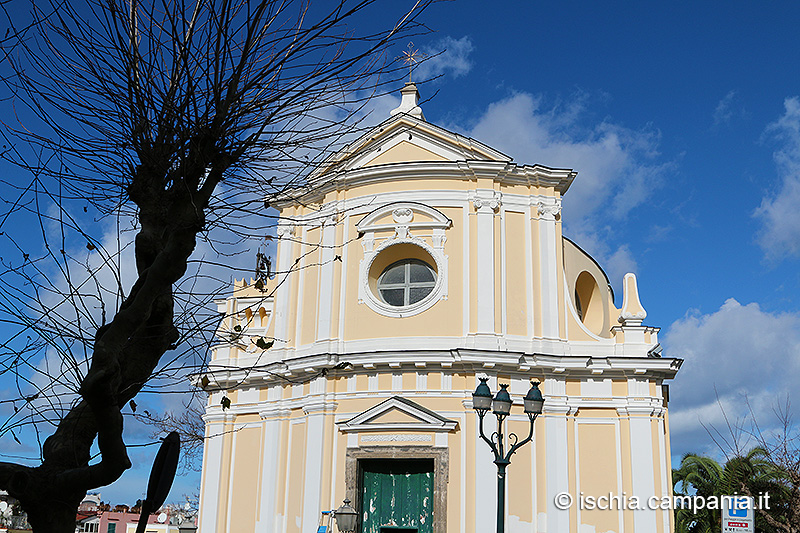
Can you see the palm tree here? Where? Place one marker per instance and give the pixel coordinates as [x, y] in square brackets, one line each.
[754, 474]
[697, 476]
[751, 474]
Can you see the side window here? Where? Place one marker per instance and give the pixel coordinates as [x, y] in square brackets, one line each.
[589, 303]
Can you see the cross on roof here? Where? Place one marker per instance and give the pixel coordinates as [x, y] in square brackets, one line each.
[411, 57]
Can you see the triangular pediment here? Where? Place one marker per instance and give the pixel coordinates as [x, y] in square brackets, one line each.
[402, 152]
[406, 139]
[397, 414]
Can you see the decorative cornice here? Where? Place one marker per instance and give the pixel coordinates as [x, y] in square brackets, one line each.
[274, 412]
[456, 359]
[501, 172]
[212, 418]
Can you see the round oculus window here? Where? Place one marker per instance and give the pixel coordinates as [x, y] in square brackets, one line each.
[406, 282]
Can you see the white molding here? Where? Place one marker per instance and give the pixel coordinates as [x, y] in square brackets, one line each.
[252, 373]
[403, 214]
[501, 172]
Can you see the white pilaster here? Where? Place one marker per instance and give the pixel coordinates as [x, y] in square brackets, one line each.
[665, 473]
[548, 210]
[285, 233]
[555, 411]
[325, 290]
[642, 461]
[486, 202]
[485, 473]
[267, 508]
[312, 487]
[212, 471]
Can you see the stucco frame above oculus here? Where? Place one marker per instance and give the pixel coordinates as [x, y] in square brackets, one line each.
[403, 216]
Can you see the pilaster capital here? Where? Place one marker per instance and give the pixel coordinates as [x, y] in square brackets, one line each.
[319, 406]
[274, 412]
[285, 229]
[486, 201]
[549, 212]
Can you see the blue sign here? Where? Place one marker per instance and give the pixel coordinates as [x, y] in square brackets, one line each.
[736, 515]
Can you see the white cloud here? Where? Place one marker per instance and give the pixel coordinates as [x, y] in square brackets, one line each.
[779, 213]
[447, 56]
[617, 166]
[727, 108]
[737, 358]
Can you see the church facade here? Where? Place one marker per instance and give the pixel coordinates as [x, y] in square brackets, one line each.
[421, 262]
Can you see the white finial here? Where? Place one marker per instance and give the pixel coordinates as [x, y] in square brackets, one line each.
[633, 312]
[409, 102]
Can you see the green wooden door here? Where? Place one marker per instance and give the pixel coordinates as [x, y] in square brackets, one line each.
[397, 495]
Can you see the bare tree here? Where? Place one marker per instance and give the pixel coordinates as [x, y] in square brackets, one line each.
[761, 457]
[781, 447]
[179, 121]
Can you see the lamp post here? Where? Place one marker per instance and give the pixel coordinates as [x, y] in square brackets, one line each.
[500, 405]
[345, 517]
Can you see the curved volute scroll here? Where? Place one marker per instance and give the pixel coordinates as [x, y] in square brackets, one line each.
[633, 312]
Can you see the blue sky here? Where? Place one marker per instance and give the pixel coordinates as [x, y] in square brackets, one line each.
[683, 122]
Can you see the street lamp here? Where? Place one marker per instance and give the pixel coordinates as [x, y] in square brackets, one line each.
[500, 405]
[345, 517]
